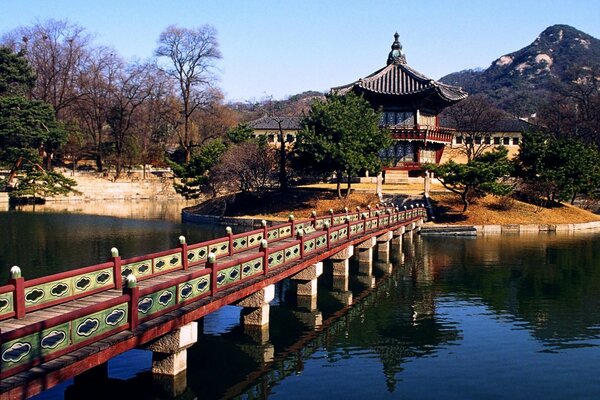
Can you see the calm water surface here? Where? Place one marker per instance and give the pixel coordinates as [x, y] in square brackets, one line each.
[511, 317]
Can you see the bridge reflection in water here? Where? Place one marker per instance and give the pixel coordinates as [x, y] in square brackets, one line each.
[81, 318]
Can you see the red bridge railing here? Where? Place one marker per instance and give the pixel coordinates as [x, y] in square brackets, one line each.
[56, 335]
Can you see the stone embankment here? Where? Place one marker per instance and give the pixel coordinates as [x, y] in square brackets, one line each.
[474, 230]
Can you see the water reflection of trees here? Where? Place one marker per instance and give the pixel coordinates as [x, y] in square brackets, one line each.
[548, 284]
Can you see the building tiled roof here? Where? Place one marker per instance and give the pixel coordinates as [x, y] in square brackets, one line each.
[508, 124]
[272, 123]
[398, 80]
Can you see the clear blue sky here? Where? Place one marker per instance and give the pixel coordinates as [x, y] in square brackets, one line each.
[279, 48]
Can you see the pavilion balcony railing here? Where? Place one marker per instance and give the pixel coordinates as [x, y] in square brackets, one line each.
[432, 134]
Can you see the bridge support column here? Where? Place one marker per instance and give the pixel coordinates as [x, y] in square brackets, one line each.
[306, 286]
[256, 307]
[383, 246]
[384, 266]
[397, 236]
[169, 352]
[341, 275]
[341, 261]
[365, 251]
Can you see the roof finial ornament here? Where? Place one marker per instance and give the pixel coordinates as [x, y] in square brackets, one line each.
[396, 56]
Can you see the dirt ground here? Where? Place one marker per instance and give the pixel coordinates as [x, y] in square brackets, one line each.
[492, 210]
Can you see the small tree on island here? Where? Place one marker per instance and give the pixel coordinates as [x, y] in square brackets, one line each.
[341, 135]
[478, 177]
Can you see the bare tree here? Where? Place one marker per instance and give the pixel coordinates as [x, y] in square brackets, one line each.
[475, 120]
[96, 84]
[131, 89]
[192, 54]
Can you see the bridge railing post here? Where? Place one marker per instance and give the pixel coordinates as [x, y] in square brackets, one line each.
[313, 216]
[133, 291]
[116, 260]
[265, 229]
[264, 248]
[184, 249]
[230, 237]
[19, 294]
[300, 237]
[327, 228]
[293, 222]
[211, 263]
[347, 227]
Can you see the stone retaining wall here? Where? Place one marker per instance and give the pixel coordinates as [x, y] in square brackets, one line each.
[508, 229]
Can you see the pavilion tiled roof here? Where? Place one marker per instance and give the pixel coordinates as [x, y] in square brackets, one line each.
[398, 79]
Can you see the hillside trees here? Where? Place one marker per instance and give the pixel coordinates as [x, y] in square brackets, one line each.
[341, 135]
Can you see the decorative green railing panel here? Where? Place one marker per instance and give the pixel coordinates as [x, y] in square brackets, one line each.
[285, 231]
[63, 288]
[196, 255]
[219, 248]
[227, 276]
[98, 323]
[334, 237]
[138, 269]
[167, 263]
[240, 243]
[36, 345]
[252, 267]
[157, 301]
[321, 241]
[292, 253]
[273, 234]
[193, 288]
[7, 304]
[254, 239]
[276, 258]
[309, 246]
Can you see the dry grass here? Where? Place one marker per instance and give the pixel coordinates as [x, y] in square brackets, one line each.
[492, 210]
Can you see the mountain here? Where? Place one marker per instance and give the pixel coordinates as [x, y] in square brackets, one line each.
[516, 81]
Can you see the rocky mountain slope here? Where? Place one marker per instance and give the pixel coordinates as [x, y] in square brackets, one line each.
[517, 81]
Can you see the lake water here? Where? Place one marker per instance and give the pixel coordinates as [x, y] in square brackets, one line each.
[513, 317]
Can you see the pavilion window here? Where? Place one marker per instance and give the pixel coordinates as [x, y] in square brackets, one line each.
[506, 141]
[271, 138]
[488, 140]
[478, 140]
[516, 141]
[496, 140]
[290, 138]
[459, 140]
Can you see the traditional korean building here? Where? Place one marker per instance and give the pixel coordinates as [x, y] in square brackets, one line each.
[410, 103]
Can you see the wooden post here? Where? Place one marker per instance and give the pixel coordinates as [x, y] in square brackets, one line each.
[133, 291]
[300, 236]
[327, 229]
[264, 247]
[313, 215]
[211, 262]
[184, 247]
[265, 230]
[230, 236]
[291, 219]
[19, 294]
[116, 260]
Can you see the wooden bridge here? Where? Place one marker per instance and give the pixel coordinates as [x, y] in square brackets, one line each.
[60, 326]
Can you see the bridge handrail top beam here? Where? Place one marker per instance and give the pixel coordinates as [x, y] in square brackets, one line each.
[7, 288]
[66, 274]
[238, 260]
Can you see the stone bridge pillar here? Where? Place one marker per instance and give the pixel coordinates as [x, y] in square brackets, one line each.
[256, 307]
[383, 245]
[169, 352]
[341, 275]
[306, 286]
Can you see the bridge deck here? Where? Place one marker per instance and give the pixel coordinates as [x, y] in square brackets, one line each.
[57, 341]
